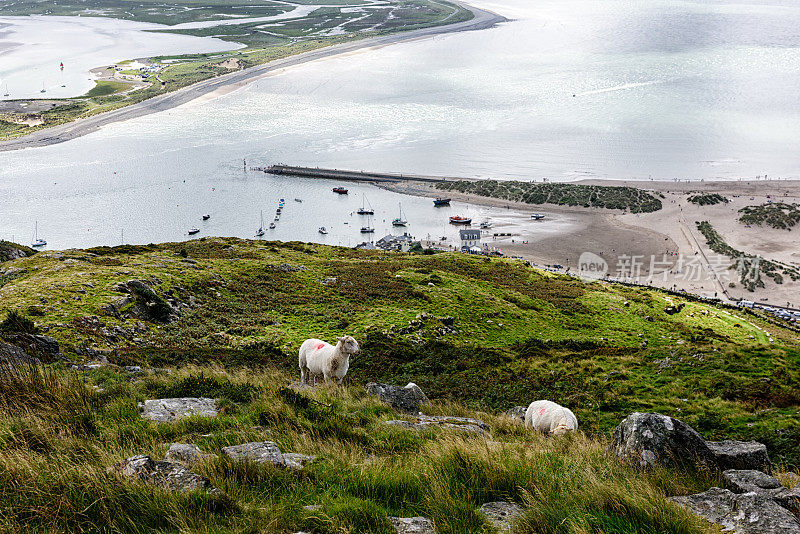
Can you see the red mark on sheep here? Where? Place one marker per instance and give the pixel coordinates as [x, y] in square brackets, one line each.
[542, 411]
[321, 346]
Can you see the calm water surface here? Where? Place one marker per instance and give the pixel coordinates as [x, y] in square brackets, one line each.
[569, 89]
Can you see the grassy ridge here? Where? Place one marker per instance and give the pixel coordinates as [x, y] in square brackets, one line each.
[621, 198]
[488, 334]
[60, 431]
[778, 215]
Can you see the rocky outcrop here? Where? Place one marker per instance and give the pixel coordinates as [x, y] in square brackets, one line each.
[296, 460]
[732, 454]
[427, 422]
[405, 399]
[745, 513]
[501, 514]
[170, 476]
[412, 525]
[260, 452]
[649, 440]
[186, 454]
[517, 412]
[750, 480]
[19, 349]
[168, 410]
[141, 301]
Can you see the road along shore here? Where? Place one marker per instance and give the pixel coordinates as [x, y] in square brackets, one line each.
[64, 132]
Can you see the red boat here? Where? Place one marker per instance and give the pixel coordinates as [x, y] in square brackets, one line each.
[340, 190]
[460, 220]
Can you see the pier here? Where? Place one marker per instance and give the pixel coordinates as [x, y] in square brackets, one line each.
[351, 176]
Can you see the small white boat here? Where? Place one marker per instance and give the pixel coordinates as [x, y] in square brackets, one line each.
[537, 216]
[271, 226]
[485, 225]
[298, 200]
[367, 230]
[206, 217]
[193, 231]
[36, 241]
[260, 230]
[323, 230]
[400, 220]
[364, 210]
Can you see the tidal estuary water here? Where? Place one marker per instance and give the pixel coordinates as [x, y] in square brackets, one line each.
[568, 89]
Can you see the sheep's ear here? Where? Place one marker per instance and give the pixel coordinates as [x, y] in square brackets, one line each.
[340, 338]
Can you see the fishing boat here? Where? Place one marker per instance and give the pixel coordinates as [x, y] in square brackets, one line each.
[457, 219]
[485, 225]
[206, 217]
[367, 230]
[401, 220]
[272, 226]
[537, 216]
[36, 241]
[439, 201]
[340, 190]
[193, 231]
[363, 210]
[323, 230]
[260, 231]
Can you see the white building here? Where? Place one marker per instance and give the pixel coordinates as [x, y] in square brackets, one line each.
[470, 238]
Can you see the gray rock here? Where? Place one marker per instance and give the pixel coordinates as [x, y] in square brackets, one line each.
[296, 460]
[170, 476]
[186, 453]
[406, 399]
[744, 481]
[427, 422]
[260, 452]
[745, 513]
[517, 412]
[648, 440]
[732, 454]
[412, 525]
[168, 410]
[501, 514]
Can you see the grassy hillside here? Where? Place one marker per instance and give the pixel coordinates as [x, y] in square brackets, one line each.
[488, 334]
[61, 430]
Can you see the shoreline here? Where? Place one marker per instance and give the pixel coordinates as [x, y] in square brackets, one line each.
[672, 253]
[482, 19]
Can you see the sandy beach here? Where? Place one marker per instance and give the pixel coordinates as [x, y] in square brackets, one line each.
[663, 248]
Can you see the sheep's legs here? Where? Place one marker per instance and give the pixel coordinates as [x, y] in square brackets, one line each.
[302, 375]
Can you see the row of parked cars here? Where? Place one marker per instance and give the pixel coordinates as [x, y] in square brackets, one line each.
[781, 313]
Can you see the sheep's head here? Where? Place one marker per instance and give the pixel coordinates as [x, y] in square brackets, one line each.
[349, 344]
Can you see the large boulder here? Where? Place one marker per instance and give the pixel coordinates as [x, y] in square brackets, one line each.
[649, 440]
[750, 480]
[412, 525]
[260, 452]
[186, 453]
[406, 399]
[501, 514]
[426, 422]
[745, 513]
[168, 410]
[167, 475]
[732, 454]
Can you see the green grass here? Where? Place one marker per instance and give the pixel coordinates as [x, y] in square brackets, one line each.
[621, 198]
[491, 334]
[777, 215]
[707, 199]
[60, 431]
[105, 88]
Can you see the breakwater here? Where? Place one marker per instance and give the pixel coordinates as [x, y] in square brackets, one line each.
[351, 176]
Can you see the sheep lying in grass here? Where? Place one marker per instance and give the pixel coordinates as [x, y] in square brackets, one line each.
[320, 358]
[547, 416]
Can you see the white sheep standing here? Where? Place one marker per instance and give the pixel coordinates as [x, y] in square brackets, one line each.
[330, 361]
[547, 416]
